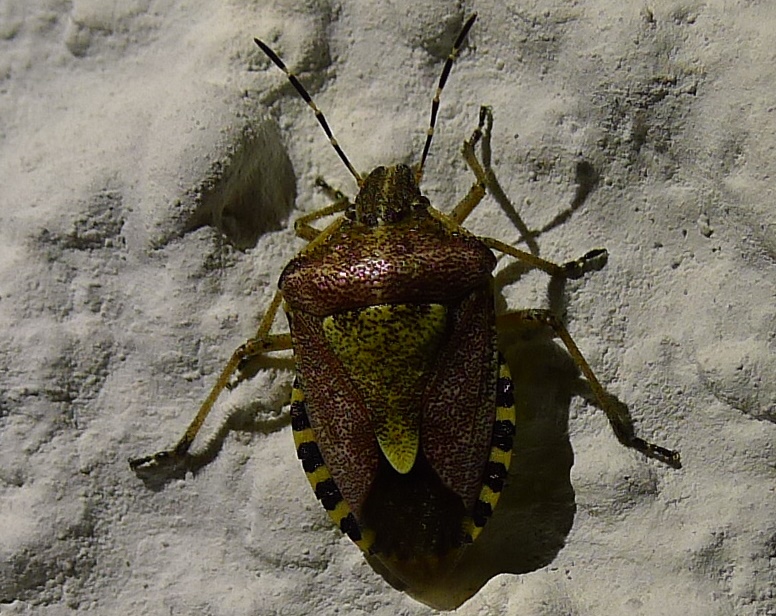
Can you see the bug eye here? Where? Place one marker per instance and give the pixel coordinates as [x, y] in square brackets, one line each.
[369, 219]
[422, 203]
[394, 215]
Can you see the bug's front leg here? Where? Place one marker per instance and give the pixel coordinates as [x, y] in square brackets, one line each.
[477, 191]
[616, 412]
[303, 227]
[486, 178]
[263, 342]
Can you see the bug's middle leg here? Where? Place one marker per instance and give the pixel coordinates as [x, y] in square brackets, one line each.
[592, 260]
[263, 342]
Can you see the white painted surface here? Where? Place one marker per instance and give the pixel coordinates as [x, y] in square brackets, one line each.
[117, 117]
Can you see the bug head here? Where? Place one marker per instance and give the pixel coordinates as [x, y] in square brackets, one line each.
[387, 196]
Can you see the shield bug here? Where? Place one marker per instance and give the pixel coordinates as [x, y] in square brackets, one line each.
[402, 409]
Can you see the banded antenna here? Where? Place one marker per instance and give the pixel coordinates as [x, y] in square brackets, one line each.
[325, 125]
[309, 100]
[442, 81]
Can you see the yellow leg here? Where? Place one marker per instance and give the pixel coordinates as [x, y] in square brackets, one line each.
[302, 226]
[616, 411]
[476, 193]
[590, 261]
[486, 179]
[593, 260]
[262, 343]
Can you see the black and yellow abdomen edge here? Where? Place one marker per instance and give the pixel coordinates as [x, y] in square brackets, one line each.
[319, 476]
[339, 511]
[500, 456]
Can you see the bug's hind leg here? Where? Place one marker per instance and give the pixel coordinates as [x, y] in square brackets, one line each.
[263, 342]
[616, 412]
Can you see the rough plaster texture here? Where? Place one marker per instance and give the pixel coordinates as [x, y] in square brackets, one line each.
[150, 159]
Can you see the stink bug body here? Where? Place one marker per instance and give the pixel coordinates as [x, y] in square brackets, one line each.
[403, 409]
